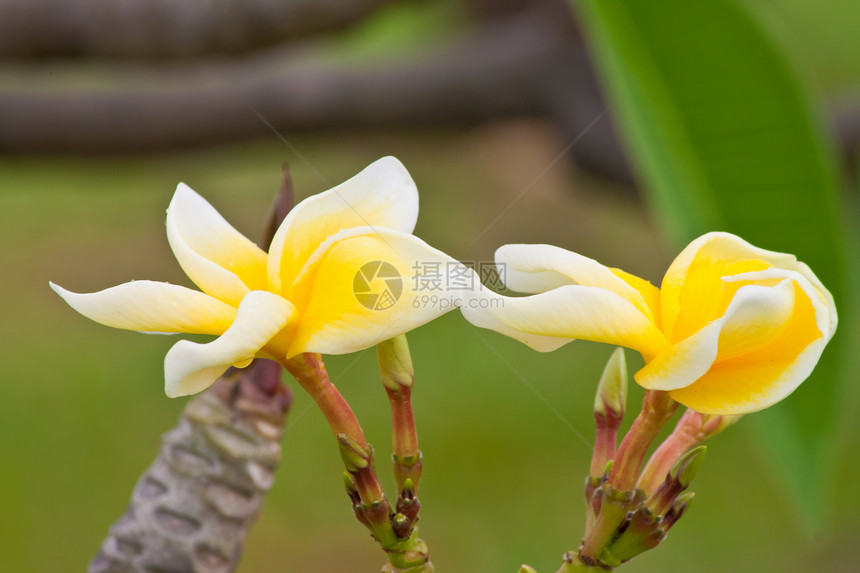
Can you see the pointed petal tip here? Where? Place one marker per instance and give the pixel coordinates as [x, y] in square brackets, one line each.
[181, 187]
[64, 294]
[184, 198]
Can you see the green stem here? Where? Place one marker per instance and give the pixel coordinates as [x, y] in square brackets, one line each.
[573, 564]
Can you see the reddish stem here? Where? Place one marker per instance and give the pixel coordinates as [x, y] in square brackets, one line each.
[405, 437]
[688, 433]
[657, 408]
[605, 440]
[309, 371]
[407, 457]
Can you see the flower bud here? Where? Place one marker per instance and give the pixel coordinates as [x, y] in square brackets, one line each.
[677, 480]
[682, 503]
[395, 363]
[612, 389]
[354, 456]
[687, 467]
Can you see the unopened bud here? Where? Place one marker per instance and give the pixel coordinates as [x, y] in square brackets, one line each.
[677, 480]
[686, 468]
[608, 469]
[395, 363]
[681, 505]
[527, 569]
[354, 456]
[612, 389]
[402, 525]
[408, 490]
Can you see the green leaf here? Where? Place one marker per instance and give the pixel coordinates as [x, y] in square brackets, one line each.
[722, 133]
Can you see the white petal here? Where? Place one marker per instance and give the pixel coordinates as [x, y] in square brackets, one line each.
[479, 310]
[152, 306]
[540, 268]
[381, 195]
[217, 257]
[190, 367]
[533, 268]
[573, 311]
[725, 247]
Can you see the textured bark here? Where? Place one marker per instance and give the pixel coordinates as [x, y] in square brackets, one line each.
[193, 507]
[165, 28]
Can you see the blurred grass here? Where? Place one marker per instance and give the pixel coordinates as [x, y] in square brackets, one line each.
[82, 406]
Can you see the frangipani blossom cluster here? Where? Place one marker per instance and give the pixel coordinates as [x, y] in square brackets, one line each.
[732, 329]
[299, 297]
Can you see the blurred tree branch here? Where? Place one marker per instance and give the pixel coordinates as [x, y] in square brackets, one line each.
[522, 59]
[529, 63]
[165, 28]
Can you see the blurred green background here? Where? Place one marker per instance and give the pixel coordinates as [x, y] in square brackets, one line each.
[82, 406]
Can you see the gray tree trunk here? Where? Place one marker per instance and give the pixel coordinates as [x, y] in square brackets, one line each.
[193, 507]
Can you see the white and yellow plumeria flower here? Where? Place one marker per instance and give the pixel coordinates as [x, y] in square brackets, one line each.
[317, 290]
[732, 330]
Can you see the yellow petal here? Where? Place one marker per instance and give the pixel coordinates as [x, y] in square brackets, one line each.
[756, 380]
[382, 195]
[217, 257]
[650, 295]
[152, 307]
[363, 286]
[575, 311]
[539, 268]
[756, 316]
[693, 292]
[826, 317]
[190, 367]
